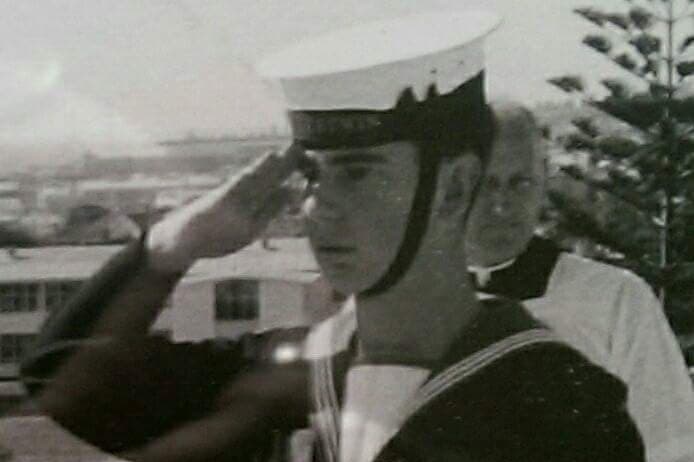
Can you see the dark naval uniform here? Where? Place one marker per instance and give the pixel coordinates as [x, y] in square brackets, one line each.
[506, 390]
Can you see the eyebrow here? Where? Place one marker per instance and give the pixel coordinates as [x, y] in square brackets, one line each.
[356, 157]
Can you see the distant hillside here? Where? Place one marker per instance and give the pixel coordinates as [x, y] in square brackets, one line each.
[218, 156]
[125, 158]
[46, 156]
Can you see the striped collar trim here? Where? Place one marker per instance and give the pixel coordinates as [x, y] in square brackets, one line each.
[467, 367]
[326, 407]
[330, 338]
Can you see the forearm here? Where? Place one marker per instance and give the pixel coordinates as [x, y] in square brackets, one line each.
[123, 299]
[119, 303]
[97, 372]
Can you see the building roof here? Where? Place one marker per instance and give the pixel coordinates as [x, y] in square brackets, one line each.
[140, 183]
[10, 186]
[262, 140]
[288, 260]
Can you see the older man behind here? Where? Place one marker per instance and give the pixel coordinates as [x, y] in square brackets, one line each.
[607, 313]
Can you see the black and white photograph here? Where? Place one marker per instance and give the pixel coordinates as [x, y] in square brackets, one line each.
[347, 231]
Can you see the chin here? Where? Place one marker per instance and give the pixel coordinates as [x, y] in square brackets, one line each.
[509, 254]
[346, 288]
[499, 253]
[347, 283]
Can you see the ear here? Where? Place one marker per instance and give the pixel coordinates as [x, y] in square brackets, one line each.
[459, 177]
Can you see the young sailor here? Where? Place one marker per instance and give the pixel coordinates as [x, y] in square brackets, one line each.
[392, 139]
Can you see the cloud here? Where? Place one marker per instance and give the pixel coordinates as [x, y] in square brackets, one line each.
[39, 114]
[25, 85]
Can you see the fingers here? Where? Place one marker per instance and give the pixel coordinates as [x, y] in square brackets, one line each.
[235, 230]
[293, 154]
[274, 203]
[266, 173]
[283, 163]
[227, 218]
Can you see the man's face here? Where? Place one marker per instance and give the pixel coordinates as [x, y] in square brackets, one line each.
[358, 210]
[507, 208]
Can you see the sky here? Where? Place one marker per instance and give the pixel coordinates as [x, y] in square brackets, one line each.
[115, 77]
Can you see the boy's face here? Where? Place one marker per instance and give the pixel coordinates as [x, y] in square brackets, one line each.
[357, 210]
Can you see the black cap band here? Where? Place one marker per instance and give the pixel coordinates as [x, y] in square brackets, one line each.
[451, 119]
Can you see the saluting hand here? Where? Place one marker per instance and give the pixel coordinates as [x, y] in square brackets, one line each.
[225, 219]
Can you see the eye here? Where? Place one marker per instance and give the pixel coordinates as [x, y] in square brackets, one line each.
[522, 183]
[356, 172]
[490, 184]
[309, 169]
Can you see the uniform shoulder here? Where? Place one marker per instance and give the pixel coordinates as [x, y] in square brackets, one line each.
[582, 271]
[541, 399]
[499, 322]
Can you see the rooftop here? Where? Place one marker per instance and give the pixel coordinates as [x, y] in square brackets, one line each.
[287, 259]
[260, 140]
[150, 183]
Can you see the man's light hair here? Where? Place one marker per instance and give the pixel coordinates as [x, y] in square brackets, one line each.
[514, 117]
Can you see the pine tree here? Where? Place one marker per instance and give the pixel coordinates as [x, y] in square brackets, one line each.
[640, 172]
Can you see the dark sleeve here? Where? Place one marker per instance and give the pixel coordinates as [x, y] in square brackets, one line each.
[124, 396]
[545, 402]
[74, 324]
[122, 392]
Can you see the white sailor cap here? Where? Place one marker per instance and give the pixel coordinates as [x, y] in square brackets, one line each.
[418, 76]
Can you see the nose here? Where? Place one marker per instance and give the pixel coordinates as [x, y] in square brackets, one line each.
[500, 201]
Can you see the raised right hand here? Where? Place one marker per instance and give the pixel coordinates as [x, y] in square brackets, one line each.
[225, 219]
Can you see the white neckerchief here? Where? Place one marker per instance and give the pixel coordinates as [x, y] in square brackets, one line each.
[375, 395]
[375, 399]
[484, 273]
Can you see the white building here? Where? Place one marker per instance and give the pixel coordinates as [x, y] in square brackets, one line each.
[254, 289]
[11, 205]
[138, 194]
[135, 194]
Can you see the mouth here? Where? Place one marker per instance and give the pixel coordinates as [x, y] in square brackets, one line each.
[336, 259]
[335, 249]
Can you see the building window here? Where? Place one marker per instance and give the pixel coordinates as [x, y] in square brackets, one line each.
[18, 297]
[236, 300]
[13, 347]
[58, 293]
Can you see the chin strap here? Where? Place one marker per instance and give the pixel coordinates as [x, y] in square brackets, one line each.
[417, 222]
[443, 125]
